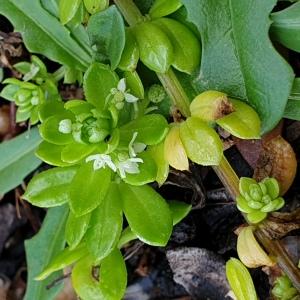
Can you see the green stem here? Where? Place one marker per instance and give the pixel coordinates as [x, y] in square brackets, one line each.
[224, 171]
[59, 74]
[130, 11]
[175, 91]
[228, 177]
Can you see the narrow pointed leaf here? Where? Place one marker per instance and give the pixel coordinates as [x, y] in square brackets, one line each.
[17, 159]
[41, 249]
[51, 187]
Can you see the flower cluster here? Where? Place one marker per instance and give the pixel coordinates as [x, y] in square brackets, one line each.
[123, 163]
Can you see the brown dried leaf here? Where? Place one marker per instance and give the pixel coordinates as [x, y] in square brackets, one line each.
[278, 225]
[277, 160]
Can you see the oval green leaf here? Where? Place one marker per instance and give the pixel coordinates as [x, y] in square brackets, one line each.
[202, 144]
[243, 123]
[147, 213]
[76, 228]
[50, 188]
[187, 47]
[96, 92]
[156, 50]
[151, 129]
[88, 188]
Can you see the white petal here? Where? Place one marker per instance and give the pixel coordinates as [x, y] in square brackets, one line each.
[122, 85]
[135, 160]
[112, 165]
[139, 147]
[92, 157]
[98, 164]
[130, 98]
[122, 171]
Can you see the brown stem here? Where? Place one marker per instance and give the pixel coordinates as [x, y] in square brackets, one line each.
[224, 171]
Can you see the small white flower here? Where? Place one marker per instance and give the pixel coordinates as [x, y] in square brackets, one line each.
[121, 94]
[65, 126]
[135, 148]
[129, 166]
[101, 161]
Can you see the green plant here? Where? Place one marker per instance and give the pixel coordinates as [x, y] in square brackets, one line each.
[258, 199]
[106, 148]
[284, 290]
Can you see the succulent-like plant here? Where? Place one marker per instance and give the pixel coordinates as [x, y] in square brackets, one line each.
[258, 199]
[284, 290]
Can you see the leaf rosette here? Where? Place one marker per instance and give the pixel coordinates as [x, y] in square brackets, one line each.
[258, 199]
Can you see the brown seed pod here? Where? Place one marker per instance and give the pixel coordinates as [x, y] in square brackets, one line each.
[277, 160]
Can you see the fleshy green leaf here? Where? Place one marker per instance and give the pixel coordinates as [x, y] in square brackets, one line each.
[63, 259]
[156, 50]
[147, 213]
[243, 122]
[41, 249]
[272, 187]
[17, 159]
[158, 154]
[256, 216]
[75, 152]
[151, 129]
[202, 144]
[43, 33]
[147, 171]
[51, 154]
[106, 225]
[88, 188]
[238, 57]
[50, 108]
[134, 84]
[179, 210]
[93, 6]
[95, 91]
[130, 54]
[68, 9]
[161, 8]
[49, 130]
[187, 48]
[76, 228]
[9, 91]
[50, 188]
[113, 276]
[107, 32]
[244, 184]
[240, 280]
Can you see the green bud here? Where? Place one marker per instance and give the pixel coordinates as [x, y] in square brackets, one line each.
[156, 93]
[65, 126]
[35, 100]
